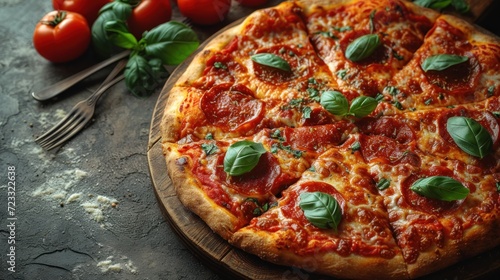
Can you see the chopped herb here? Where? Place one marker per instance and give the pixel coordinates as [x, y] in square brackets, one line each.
[314, 94]
[428, 101]
[342, 29]
[209, 136]
[327, 34]
[491, 90]
[209, 149]
[383, 184]
[498, 186]
[413, 109]
[342, 73]
[397, 55]
[220, 65]
[355, 146]
[379, 97]
[398, 105]
[277, 135]
[312, 168]
[496, 114]
[312, 81]
[391, 90]
[295, 153]
[372, 24]
[306, 112]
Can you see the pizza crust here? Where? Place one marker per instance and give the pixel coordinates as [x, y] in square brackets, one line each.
[220, 220]
[265, 245]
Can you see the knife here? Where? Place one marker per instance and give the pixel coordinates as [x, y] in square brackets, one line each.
[62, 85]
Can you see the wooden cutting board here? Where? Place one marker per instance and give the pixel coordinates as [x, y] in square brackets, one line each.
[232, 262]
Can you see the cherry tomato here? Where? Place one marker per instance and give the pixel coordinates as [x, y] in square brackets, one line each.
[61, 36]
[252, 3]
[204, 11]
[87, 8]
[147, 15]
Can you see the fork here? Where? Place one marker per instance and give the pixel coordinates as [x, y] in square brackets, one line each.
[80, 114]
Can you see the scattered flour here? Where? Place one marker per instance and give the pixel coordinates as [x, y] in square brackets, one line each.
[57, 186]
[109, 265]
[96, 207]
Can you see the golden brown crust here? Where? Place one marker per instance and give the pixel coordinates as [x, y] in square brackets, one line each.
[193, 197]
[265, 245]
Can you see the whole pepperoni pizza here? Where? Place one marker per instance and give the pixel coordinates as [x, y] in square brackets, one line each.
[354, 139]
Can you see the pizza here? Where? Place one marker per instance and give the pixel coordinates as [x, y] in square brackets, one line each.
[354, 139]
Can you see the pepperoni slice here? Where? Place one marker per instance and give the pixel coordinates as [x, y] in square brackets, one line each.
[395, 128]
[265, 178]
[457, 79]
[386, 150]
[291, 208]
[232, 107]
[486, 119]
[300, 65]
[380, 55]
[422, 203]
[317, 137]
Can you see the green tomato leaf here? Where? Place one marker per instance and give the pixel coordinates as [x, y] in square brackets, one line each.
[321, 209]
[117, 33]
[335, 103]
[470, 136]
[172, 42]
[362, 47]
[271, 60]
[442, 61]
[441, 188]
[241, 157]
[362, 106]
[142, 76]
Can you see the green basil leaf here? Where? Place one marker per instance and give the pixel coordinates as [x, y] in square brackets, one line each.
[470, 136]
[271, 60]
[321, 209]
[241, 157]
[460, 5]
[335, 103]
[433, 4]
[383, 184]
[118, 33]
[172, 42]
[362, 47]
[440, 187]
[362, 106]
[442, 61]
[142, 76]
[100, 41]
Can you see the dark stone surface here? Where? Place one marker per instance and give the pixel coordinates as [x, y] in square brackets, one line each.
[86, 210]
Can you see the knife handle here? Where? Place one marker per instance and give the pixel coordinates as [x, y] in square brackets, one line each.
[63, 85]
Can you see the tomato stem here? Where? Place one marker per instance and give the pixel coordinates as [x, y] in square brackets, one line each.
[58, 18]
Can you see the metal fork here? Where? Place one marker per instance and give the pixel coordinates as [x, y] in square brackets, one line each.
[81, 114]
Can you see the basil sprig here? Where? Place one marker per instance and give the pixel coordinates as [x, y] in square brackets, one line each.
[271, 60]
[441, 188]
[470, 136]
[241, 157]
[321, 209]
[336, 103]
[442, 61]
[362, 47]
[460, 5]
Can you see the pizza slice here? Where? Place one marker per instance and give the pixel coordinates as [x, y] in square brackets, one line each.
[441, 211]
[365, 43]
[228, 182]
[329, 222]
[455, 65]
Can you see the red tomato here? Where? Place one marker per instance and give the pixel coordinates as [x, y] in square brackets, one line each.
[147, 15]
[204, 11]
[252, 3]
[61, 36]
[87, 8]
